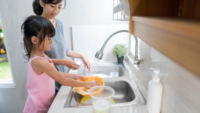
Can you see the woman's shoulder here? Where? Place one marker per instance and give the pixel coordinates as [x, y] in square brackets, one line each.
[58, 22]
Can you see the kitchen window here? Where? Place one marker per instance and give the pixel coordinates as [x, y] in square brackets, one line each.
[132, 47]
[132, 57]
[120, 10]
[6, 78]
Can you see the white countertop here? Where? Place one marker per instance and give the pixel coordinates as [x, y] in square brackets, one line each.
[59, 102]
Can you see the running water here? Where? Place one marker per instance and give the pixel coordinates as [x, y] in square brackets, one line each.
[94, 67]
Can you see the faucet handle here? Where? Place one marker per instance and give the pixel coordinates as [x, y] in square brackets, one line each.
[137, 62]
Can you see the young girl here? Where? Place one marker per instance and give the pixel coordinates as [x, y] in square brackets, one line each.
[50, 9]
[37, 33]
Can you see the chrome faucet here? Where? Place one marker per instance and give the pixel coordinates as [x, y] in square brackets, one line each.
[99, 54]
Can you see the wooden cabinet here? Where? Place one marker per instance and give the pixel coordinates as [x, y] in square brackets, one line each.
[170, 26]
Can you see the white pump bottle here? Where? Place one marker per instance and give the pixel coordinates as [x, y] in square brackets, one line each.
[154, 93]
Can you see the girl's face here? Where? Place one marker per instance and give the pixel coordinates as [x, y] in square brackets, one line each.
[46, 44]
[51, 10]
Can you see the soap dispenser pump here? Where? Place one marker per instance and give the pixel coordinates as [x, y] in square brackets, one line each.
[154, 93]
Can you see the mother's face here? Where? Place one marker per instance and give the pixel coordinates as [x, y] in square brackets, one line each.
[51, 10]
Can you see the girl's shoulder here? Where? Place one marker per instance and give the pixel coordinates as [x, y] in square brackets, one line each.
[40, 61]
[37, 59]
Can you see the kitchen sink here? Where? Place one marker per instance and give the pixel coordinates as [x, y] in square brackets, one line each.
[126, 91]
[123, 93]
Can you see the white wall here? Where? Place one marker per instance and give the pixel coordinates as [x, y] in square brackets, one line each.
[14, 12]
[181, 88]
[86, 12]
[88, 39]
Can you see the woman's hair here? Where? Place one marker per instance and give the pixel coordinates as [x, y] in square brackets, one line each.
[38, 9]
[37, 26]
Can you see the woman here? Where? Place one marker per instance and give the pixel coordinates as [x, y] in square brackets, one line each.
[50, 9]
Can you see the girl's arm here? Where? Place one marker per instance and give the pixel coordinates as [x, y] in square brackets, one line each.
[73, 54]
[43, 65]
[67, 62]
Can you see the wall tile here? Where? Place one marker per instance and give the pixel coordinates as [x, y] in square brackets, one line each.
[181, 88]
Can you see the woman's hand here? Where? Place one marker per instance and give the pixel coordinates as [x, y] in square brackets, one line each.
[86, 63]
[70, 64]
[76, 77]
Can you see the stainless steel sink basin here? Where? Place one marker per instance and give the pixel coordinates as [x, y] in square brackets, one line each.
[126, 91]
[123, 91]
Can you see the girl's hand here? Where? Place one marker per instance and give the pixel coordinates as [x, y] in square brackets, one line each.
[92, 84]
[86, 63]
[71, 64]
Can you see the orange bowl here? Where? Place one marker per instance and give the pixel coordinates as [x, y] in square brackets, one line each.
[85, 91]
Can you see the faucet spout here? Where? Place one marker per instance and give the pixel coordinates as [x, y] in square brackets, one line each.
[112, 36]
[99, 54]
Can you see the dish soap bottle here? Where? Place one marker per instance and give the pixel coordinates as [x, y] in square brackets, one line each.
[154, 94]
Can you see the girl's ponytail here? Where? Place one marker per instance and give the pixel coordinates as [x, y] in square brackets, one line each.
[27, 47]
[37, 8]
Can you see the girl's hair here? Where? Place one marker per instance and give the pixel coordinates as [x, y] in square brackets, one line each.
[38, 9]
[37, 26]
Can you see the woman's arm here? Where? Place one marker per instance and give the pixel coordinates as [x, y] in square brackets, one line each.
[67, 62]
[73, 54]
[45, 66]
[72, 76]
